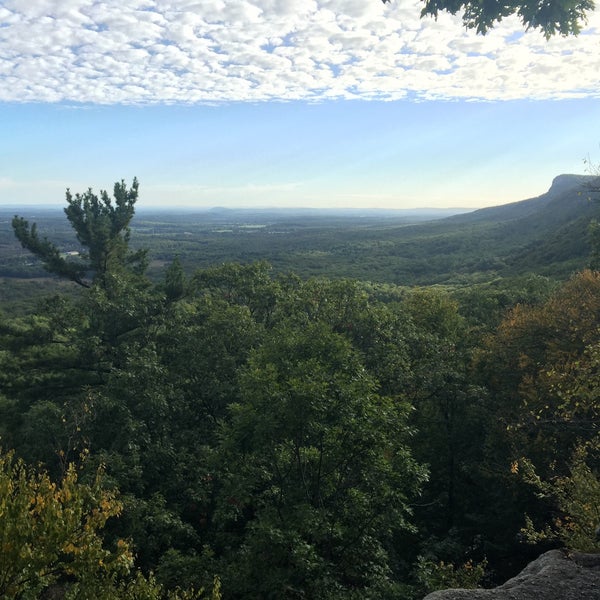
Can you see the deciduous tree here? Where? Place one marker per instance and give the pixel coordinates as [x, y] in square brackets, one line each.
[51, 536]
[564, 17]
[315, 473]
[52, 532]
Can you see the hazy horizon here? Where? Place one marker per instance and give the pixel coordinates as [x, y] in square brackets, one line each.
[216, 209]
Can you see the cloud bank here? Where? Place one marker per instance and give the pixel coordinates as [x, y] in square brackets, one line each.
[215, 51]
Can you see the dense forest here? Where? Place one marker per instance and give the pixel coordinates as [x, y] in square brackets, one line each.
[236, 429]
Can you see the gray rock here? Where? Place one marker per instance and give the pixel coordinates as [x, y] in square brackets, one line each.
[555, 575]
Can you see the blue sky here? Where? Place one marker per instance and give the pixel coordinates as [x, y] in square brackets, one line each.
[288, 103]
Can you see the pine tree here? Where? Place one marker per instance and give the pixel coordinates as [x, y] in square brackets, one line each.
[102, 228]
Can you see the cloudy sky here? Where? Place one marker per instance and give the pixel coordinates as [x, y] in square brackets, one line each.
[288, 102]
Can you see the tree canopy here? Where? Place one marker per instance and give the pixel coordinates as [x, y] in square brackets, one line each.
[564, 17]
[322, 438]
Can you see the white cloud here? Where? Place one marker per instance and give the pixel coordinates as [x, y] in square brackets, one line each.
[152, 51]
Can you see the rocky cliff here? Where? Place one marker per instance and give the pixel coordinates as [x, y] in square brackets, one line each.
[555, 575]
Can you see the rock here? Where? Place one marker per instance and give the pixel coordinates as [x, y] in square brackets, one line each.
[555, 575]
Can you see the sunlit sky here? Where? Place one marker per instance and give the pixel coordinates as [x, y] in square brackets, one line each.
[339, 103]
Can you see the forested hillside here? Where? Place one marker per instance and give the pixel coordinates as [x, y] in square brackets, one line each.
[547, 235]
[259, 433]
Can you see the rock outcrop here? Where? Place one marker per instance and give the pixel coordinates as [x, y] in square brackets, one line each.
[555, 575]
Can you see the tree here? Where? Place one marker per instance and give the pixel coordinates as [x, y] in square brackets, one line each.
[540, 372]
[45, 371]
[450, 422]
[174, 281]
[575, 496]
[381, 331]
[101, 227]
[540, 368]
[315, 476]
[592, 190]
[564, 17]
[248, 285]
[51, 532]
[51, 542]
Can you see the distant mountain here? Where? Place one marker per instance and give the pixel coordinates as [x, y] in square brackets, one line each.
[568, 198]
[560, 225]
[548, 233]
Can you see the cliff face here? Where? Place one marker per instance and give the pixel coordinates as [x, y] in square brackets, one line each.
[566, 199]
[555, 575]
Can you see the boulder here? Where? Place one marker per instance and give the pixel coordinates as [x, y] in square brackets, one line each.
[555, 575]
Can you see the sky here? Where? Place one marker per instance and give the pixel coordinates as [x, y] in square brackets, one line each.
[326, 103]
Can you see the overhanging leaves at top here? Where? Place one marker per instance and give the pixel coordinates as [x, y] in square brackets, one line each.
[565, 17]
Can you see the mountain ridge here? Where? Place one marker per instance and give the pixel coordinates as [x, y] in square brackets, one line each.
[574, 186]
[546, 234]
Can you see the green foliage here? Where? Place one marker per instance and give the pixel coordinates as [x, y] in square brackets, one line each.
[576, 497]
[485, 305]
[540, 367]
[275, 430]
[433, 576]
[242, 285]
[52, 258]
[594, 235]
[564, 17]
[49, 531]
[175, 281]
[450, 420]
[316, 474]
[51, 541]
[102, 228]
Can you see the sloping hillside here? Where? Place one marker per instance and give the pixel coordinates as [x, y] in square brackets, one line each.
[567, 198]
[546, 234]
